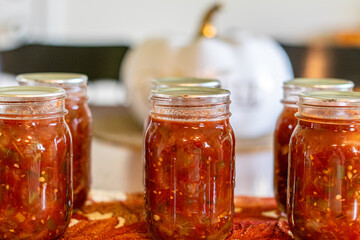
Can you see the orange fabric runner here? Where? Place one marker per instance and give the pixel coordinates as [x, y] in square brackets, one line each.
[255, 218]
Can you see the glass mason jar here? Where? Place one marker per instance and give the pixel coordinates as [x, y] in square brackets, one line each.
[189, 164]
[286, 123]
[324, 167]
[79, 120]
[35, 163]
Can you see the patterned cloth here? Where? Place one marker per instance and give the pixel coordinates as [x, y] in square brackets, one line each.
[121, 216]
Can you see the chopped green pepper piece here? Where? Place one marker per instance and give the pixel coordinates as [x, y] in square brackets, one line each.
[51, 224]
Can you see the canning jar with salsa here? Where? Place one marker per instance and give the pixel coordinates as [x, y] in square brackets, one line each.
[189, 164]
[78, 119]
[324, 167]
[35, 163]
[286, 123]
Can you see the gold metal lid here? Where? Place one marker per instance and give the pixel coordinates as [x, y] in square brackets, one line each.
[319, 83]
[68, 79]
[30, 93]
[190, 95]
[184, 82]
[189, 92]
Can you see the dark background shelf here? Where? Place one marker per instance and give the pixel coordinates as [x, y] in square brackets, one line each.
[105, 61]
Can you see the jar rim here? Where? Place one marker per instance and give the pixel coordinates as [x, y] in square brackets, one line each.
[30, 93]
[184, 82]
[70, 79]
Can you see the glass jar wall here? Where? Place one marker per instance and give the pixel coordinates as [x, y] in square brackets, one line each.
[189, 164]
[35, 163]
[79, 120]
[286, 123]
[324, 167]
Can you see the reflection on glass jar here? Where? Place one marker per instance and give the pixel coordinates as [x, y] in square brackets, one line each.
[286, 123]
[35, 163]
[324, 167]
[189, 164]
[79, 120]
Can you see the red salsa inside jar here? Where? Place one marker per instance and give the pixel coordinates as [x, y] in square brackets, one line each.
[80, 123]
[189, 178]
[35, 178]
[284, 127]
[326, 159]
[324, 170]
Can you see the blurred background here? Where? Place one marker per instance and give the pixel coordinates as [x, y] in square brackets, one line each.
[321, 39]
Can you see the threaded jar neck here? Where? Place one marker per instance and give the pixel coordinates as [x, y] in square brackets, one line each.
[330, 106]
[190, 103]
[26, 102]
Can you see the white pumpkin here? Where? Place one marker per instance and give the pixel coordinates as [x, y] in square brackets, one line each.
[252, 67]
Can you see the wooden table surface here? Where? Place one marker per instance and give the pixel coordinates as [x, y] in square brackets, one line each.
[120, 216]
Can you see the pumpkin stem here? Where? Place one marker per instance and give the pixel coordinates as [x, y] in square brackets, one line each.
[207, 29]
